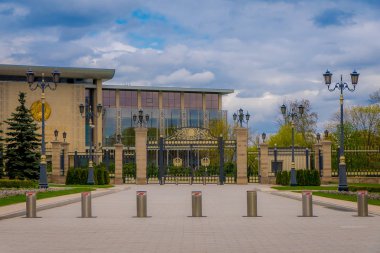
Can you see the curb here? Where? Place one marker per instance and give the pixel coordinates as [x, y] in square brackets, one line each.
[61, 203]
[322, 203]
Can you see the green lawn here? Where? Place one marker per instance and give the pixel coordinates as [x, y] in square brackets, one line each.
[43, 195]
[345, 197]
[81, 186]
[300, 188]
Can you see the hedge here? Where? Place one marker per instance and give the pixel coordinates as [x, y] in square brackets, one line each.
[304, 178]
[364, 188]
[14, 183]
[79, 176]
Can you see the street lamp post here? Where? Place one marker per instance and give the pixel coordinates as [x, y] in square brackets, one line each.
[139, 119]
[239, 117]
[30, 77]
[341, 86]
[292, 115]
[87, 112]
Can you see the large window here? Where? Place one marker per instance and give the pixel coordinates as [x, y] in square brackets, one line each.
[128, 98]
[193, 100]
[109, 98]
[212, 101]
[149, 99]
[171, 100]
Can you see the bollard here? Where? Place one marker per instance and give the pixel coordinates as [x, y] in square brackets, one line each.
[31, 210]
[307, 204]
[141, 204]
[362, 203]
[196, 199]
[251, 203]
[86, 205]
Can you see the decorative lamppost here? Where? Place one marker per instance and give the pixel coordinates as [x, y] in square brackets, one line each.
[341, 86]
[239, 117]
[87, 112]
[292, 115]
[30, 77]
[56, 134]
[64, 134]
[139, 119]
[263, 136]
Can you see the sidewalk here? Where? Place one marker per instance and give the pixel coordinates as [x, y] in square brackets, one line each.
[16, 210]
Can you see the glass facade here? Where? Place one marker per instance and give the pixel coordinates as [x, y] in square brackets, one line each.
[149, 99]
[193, 100]
[118, 119]
[128, 98]
[109, 98]
[171, 100]
[212, 101]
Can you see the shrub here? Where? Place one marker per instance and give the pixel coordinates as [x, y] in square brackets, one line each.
[364, 188]
[6, 183]
[283, 178]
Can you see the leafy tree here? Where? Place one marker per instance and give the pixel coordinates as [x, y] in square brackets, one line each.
[283, 138]
[22, 155]
[374, 98]
[305, 124]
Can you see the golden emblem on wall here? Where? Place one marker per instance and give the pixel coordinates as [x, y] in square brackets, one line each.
[36, 110]
[205, 161]
[177, 162]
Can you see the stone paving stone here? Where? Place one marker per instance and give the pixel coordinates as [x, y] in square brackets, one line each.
[171, 230]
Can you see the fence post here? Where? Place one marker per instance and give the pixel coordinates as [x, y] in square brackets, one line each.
[66, 165]
[107, 159]
[76, 165]
[62, 163]
[161, 160]
[264, 163]
[307, 158]
[221, 159]
[275, 160]
[326, 152]
[241, 154]
[141, 154]
[55, 161]
[119, 163]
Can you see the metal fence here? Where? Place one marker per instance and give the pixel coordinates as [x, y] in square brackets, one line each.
[253, 166]
[359, 162]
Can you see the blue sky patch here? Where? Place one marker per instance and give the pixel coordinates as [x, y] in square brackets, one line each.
[144, 15]
[333, 17]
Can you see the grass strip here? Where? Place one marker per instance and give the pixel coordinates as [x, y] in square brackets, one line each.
[82, 186]
[43, 195]
[300, 188]
[345, 197]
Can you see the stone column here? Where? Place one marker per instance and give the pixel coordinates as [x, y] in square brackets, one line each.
[55, 160]
[326, 151]
[119, 163]
[141, 154]
[317, 147]
[264, 163]
[241, 154]
[65, 147]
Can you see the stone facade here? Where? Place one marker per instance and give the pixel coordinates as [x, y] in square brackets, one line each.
[241, 154]
[141, 154]
[119, 163]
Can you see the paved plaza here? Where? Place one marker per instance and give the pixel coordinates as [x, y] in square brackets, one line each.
[171, 230]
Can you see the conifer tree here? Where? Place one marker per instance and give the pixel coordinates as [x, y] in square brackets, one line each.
[22, 142]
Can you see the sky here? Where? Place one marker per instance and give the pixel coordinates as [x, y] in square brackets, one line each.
[269, 52]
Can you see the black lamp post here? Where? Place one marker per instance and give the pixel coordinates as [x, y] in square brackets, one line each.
[292, 115]
[263, 136]
[30, 77]
[64, 134]
[139, 119]
[87, 112]
[239, 117]
[341, 86]
[56, 134]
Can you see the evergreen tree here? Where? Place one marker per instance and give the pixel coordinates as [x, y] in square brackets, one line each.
[22, 141]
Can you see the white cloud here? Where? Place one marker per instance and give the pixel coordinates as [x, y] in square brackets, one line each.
[183, 76]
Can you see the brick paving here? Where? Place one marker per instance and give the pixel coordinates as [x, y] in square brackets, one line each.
[171, 230]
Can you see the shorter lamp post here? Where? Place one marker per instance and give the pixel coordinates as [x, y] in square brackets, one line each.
[139, 119]
[292, 115]
[56, 134]
[64, 134]
[341, 86]
[239, 117]
[87, 112]
[263, 136]
[30, 77]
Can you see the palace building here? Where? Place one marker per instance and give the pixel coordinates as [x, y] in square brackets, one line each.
[167, 108]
